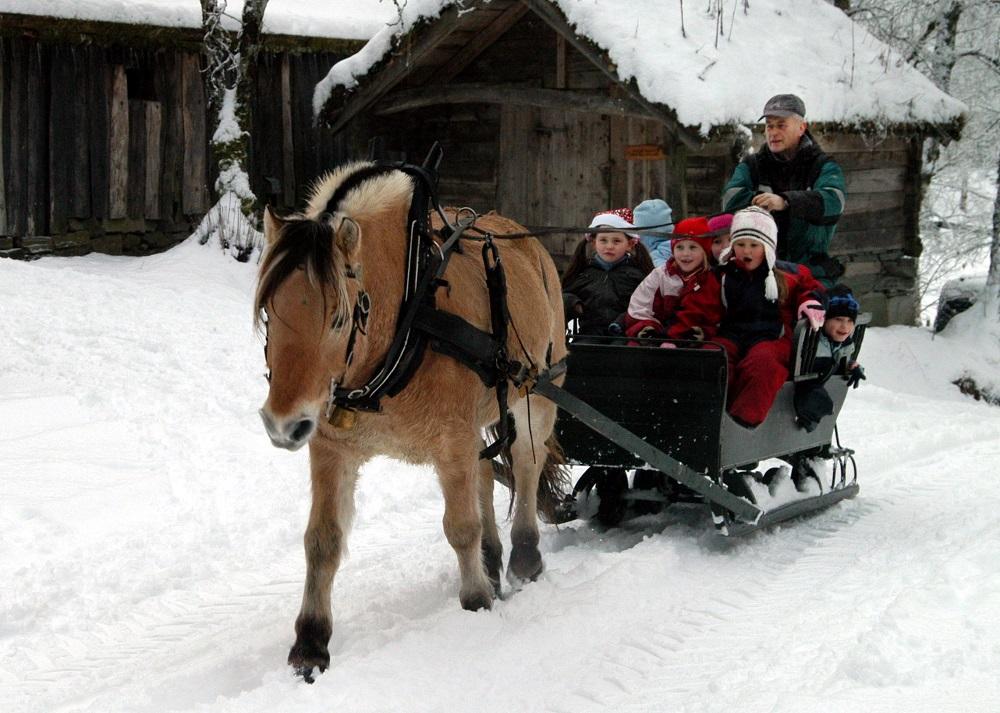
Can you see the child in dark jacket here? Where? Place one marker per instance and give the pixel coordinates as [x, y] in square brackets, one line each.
[834, 347]
[759, 307]
[606, 268]
[675, 300]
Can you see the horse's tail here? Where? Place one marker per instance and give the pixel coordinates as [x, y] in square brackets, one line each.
[553, 482]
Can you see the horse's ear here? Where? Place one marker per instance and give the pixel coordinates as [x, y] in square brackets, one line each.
[348, 237]
[272, 224]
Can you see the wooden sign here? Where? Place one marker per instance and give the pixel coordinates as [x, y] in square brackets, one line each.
[644, 152]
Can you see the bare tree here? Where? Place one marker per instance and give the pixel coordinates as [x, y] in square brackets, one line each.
[230, 61]
[993, 280]
[955, 43]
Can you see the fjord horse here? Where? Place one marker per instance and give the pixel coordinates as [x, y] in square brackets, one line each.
[314, 267]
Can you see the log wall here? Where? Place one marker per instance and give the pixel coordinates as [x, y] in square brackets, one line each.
[106, 148]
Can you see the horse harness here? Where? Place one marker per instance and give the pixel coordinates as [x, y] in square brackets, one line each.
[420, 323]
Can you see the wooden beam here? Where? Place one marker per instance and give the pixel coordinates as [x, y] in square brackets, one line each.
[118, 176]
[554, 18]
[396, 69]
[195, 199]
[560, 61]
[478, 93]
[287, 133]
[154, 129]
[481, 42]
[3, 191]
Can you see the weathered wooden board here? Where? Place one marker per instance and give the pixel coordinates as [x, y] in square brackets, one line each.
[287, 135]
[847, 242]
[195, 185]
[868, 202]
[61, 137]
[153, 119]
[79, 156]
[4, 151]
[874, 180]
[119, 143]
[99, 109]
[37, 102]
[135, 190]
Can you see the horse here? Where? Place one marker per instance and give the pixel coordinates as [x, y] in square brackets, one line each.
[316, 265]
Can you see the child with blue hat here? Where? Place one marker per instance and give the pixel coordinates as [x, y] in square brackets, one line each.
[655, 211]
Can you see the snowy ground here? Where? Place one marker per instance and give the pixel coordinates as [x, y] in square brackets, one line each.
[151, 559]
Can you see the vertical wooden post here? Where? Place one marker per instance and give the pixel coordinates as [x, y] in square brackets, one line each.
[560, 61]
[288, 146]
[195, 185]
[37, 119]
[154, 125]
[118, 176]
[3, 136]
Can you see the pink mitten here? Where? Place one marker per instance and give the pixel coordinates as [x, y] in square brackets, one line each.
[813, 311]
[668, 345]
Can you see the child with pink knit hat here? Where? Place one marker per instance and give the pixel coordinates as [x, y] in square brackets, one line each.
[760, 304]
[719, 227]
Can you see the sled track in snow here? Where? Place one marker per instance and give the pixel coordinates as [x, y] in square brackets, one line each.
[811, 578]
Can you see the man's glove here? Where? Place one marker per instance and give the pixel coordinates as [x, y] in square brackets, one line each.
[648, 332]
[698, 333]
[855, 377]
[812, 311]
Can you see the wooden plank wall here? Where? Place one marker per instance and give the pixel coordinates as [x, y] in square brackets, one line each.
[88, 164]
[289, 151]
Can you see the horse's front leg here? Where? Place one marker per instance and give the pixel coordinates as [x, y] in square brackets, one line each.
[459, 473]
[334, 474]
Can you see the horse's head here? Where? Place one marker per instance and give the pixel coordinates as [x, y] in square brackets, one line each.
[304, 302]
[309, 283]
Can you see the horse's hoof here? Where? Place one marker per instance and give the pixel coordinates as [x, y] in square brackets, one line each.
[476, 601]
[304, 659]
[525, 564]
[305, 673]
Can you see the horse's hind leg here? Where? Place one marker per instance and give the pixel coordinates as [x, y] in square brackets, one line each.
[492, 548]
[460, 477]
[528, 456]
[333, 481]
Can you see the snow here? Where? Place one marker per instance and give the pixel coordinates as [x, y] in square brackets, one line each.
[846, 76]
[150, 540]
[341, 19]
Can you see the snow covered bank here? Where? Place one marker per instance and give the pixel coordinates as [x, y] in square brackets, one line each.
[150, 540]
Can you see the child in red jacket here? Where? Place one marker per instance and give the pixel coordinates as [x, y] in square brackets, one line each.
[679, 300]
[760, 303]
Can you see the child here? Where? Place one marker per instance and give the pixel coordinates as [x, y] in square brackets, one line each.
[835, 346]
[720, 225]
[605, 270]
[655, 211]
[676, 300]
[759, 304]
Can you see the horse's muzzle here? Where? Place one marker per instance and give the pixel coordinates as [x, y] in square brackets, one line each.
[290, 434]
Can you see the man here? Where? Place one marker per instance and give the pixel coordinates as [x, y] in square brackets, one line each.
[797, 183]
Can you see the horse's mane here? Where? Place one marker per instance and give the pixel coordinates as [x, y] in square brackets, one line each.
[306, 240]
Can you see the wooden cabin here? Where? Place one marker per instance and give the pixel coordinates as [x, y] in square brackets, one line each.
[105, 132]
[537, 123]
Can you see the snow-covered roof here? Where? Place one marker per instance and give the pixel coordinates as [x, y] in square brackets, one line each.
[810, 48]
[340, 19]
